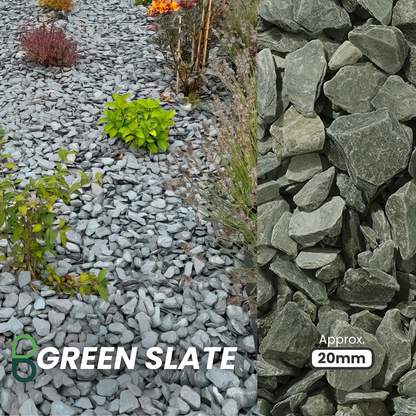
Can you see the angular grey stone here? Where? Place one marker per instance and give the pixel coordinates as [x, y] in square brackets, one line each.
[410, 65]
[412, 164]
[391, 337]
[280, 13]
[369, 234]
[267, 164]
[265, 287]
[380, 9]
[289, 405]
[42, 326]
[303, 82]
[407, 384]
[305, 304]
[352, 195]
[349, 380]
[63, 305]
[269, 214]
[327, 317]
[128, 402]
[383, 257]
[267, 192]
[270, 104]
[279, 41]
[280, 236]
[319, 402]
[333, 270]
[222, 379]
[284, 267]
[346, 54]
[191, 397]
[398, 97]
[404, 18]
[107, 387]
[291, 336]
[28, 408]
[315, 191]
[354, 86]
[294, 134]
[303, 167]
[308, 228]
[383, 45]
[359, 135]
[317, 16]
[316, 257]
[24, 278]
[367, 288]
[358, 396]
[6, 313]
[401, 212]
[377, 220]
[59, 408]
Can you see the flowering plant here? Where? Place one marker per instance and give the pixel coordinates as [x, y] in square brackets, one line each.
[162, 6]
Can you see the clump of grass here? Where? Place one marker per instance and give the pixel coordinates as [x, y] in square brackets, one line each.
[57, 5]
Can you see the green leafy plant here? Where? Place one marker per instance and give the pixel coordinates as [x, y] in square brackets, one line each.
[27, 220]
[142, 2]
[140, 122]
[85, 284]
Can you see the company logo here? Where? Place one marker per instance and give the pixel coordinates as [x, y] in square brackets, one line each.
[17, 359]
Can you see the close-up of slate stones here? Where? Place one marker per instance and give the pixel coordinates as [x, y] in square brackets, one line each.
[337, 204]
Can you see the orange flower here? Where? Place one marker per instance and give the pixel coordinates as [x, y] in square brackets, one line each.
[162, 6]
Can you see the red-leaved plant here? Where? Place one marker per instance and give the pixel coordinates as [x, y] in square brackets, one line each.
[48, 45]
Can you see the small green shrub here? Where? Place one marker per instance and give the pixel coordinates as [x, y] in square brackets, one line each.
[27, 217]
[142, 2]
[140, 122]
[86, 283]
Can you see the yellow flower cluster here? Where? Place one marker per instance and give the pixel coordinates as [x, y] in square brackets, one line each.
[58, 5]
[162, 6]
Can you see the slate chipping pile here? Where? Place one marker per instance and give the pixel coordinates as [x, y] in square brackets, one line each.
[168, 277]
[337, 203]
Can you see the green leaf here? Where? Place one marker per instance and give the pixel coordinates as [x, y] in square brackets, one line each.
[36, 228]
[61, 222]
[101, 276]
[10, 165]
[152, 147]
[113, 132]
[3, 258]
[163, 144]
[81, 289]
[88, 290]
[102, 120]
[103, 292]
[63, 237]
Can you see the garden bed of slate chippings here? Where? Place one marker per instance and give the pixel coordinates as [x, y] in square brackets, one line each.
[337, 203]
[168, 284]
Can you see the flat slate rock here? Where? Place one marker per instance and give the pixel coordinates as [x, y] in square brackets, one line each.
[360, 136]
[398, 96]
[380, 9]
[269, 214]
[349, 380]
[401, 212]
[267, 163]
[304, 167]
[304, 75]
[367, 288]
[315, 191]
[410, 65]
[384, 45]
[280, 13]
[291, 336]
[316, 257]
[354, 86]
[404, 18]
[280, 236]
[270, 104]
[279, 41]
[397, 345]
[293, 134]
[308, 228]
[352, 195]
[286, 269]
[407, 384]
[317, 16]
[346, 54]
[265, 286]
[333, 270]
